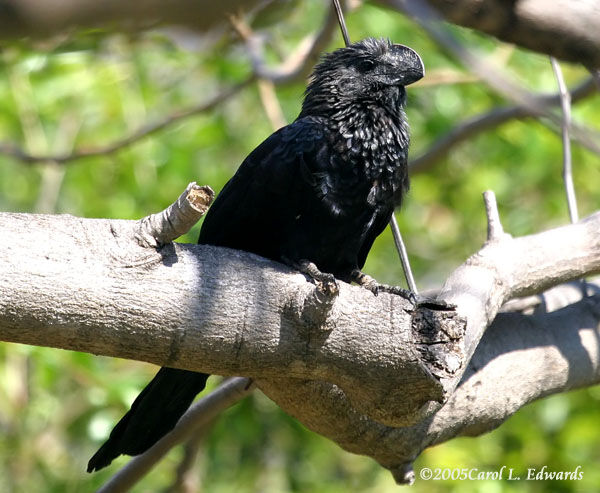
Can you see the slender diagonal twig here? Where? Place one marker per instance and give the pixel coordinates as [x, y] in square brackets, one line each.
[486, 121]
[141, 133]
[403, 254]
[270, 103]
[565, 101]
[341, 21]
[567, 171]
[298, 64]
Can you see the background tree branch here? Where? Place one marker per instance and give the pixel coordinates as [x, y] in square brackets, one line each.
[43, 18]
[490, 120]
[298, 63]
[562, 28]
[143, 132]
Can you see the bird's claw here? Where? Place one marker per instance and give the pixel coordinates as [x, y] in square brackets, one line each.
[366, 281]
[399, 291]
[417, 300]
[375, 287]
[325, 281]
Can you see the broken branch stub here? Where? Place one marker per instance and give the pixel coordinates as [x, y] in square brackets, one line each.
[177, 219]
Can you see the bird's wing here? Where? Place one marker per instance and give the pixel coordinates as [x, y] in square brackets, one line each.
[380, 220]
[272, 186]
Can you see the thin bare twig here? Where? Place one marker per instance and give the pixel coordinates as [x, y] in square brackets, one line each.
[141, 133]
[567, 171]
[341, 21]
[299, 63]
[565, 101]
[495, 231]
[270, 103]
[403, 254]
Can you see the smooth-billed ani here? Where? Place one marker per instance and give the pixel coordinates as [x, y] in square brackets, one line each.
[319, 190]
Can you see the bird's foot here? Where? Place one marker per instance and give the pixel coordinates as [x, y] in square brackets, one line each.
[419, 301]
[324, 280]
[367, 282]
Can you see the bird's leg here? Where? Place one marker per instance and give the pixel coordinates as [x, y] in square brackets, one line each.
[420, 301]
[367, 282]
[326, 280]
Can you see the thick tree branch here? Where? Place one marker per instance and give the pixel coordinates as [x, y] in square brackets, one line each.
[68, 282]
[81, 278]
[89, 285]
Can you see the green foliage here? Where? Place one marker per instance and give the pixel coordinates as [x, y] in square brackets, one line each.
[94, 88]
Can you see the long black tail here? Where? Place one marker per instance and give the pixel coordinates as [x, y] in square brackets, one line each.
[152, 415]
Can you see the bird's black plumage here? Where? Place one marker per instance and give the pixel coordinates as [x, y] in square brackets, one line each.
[320, 189]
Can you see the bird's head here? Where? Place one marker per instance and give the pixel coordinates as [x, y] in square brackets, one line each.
[369, 71]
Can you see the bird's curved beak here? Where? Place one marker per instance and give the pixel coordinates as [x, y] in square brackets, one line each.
[409, 63]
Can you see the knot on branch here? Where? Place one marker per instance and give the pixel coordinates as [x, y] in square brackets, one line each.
[163, 227]
[315, 310]
[439, 340]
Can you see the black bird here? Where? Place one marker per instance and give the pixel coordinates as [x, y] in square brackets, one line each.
[319, 191]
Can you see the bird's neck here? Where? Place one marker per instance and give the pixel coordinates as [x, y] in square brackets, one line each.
[374, 144]
[376, 136]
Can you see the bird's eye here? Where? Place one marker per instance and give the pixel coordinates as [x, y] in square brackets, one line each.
[365, 65]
